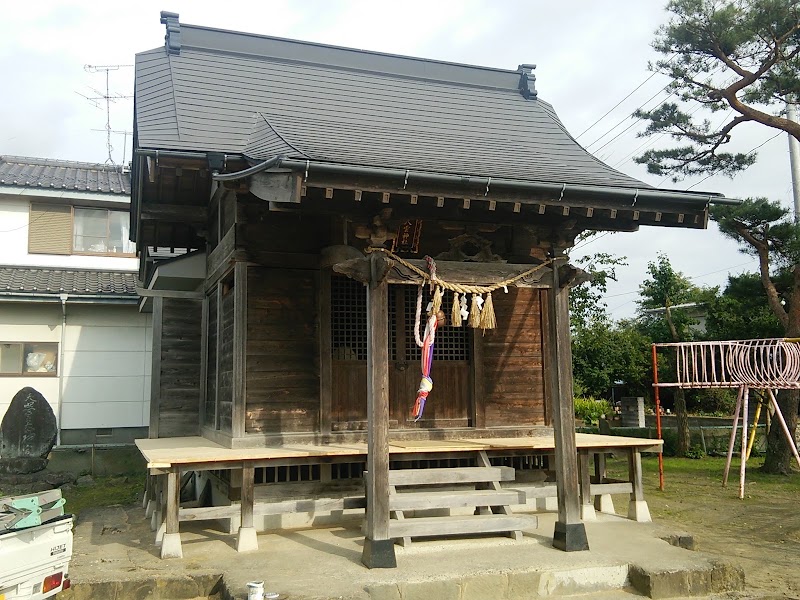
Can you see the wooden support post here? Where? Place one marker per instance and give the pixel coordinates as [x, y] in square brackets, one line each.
[152, 487]
[569, 534]
[637, 507]
[602, 502]
[587, 508]
[171, 544]
[325, 365]
[155, 371]
[157, 518]
[378, 547]
[247, 532]
[238, 410]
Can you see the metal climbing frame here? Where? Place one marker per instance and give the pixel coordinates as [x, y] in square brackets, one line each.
[766, 364]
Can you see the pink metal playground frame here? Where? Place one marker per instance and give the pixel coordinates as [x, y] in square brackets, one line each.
[767, 364]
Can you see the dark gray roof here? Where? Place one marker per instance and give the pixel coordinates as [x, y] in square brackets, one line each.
[75, 282]
[48, 173]
[261, 96]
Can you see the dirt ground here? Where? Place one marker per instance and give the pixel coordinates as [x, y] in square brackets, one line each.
[760, 533]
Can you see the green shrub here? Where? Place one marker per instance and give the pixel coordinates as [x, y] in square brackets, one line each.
[590, 410]
[695, 451]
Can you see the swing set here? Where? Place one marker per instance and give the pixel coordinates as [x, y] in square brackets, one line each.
[744, 365]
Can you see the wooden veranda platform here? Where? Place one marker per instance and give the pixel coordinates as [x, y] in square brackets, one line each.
[168, 457]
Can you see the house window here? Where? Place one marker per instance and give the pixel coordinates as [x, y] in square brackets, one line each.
[28, 358]
[58, 229]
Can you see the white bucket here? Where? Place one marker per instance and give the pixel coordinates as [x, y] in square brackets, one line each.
[255, 590]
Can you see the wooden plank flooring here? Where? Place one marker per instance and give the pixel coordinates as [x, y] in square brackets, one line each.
[163, 453]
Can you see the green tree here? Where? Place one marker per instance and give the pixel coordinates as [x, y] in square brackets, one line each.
[604, 352]
[659, 306]
[765, 229]
[741, 311]
[586, 303]
[741, 56]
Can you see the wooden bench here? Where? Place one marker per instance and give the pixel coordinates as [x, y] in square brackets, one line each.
[478, 488]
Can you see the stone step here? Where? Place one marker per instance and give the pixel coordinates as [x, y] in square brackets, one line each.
[459, 525]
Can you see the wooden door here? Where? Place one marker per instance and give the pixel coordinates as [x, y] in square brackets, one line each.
[449, 402]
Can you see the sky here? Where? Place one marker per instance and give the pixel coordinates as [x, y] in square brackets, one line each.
[589, 56]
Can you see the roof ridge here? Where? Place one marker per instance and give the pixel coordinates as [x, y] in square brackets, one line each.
[338, 47]
[57, 162]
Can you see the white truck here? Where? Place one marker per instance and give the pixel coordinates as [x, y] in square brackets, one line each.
[35, 546]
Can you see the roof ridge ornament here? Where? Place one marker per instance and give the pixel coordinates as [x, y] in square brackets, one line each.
[172, 41]
[527, 81]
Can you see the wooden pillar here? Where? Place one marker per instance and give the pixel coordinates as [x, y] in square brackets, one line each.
[570, 533]
[378, 546]
[247, 532]
[637, 507]
[602, 502]
[155, 371]
[171, 543]
[238, 409]
[587, 508]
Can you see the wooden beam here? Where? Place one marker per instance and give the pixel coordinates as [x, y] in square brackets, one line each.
[478, 397]
[155, 371]
[378, 546]
[279, 187]
[570, 533]
[456, 272]
[148, 293]
[174, 212]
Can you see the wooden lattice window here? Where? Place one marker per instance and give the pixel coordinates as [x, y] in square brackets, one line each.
[452, 343]
[348, 319]
[349, 324]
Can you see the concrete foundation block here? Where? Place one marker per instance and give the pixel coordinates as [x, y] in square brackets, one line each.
[639, 511]
[604, 504]
[547, 504]
[570, 537]
[428, 590]
[389, 591]
[523, 585]
[481, 587]
[149, 509]
[171, 546]
[247, 540]
[162, 529]
[587, 513]
[710, 578]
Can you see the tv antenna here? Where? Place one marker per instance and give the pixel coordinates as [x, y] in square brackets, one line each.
[108, 97]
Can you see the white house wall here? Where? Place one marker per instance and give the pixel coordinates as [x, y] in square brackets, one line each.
[14, 218]
[105, 364]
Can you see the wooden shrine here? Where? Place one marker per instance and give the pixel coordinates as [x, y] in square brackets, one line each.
[292, 201]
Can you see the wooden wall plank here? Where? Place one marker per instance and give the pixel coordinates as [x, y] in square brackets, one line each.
[177, 342]
[512, 362]
[283, 388]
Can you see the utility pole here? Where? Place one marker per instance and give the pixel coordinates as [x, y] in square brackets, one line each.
[794, 160]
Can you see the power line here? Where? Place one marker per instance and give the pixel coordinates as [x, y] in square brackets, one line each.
[690, 278]
[616, 105]
[750, 152]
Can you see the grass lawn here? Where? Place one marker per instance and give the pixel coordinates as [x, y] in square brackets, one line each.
[105, 491]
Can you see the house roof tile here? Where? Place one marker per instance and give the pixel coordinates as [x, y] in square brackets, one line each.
[75, 282]
[260, 96]
[48, 173]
